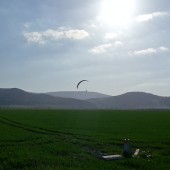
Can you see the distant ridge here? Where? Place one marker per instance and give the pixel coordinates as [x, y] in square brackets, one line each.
[17, 98]
[133, 100]
[82, 95]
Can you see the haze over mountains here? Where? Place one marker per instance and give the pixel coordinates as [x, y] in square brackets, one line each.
[82, 95]
[133, 100]
[81, 100]
[18, 98]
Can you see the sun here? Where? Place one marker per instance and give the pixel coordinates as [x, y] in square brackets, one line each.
[116, 12]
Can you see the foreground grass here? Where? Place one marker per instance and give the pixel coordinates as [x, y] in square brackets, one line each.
[73, 139]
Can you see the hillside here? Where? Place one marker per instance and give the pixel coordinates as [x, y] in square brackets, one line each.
[133, 100]
[18, 98]
[82, 95]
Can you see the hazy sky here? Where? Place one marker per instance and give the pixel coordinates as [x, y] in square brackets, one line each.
[118, 45]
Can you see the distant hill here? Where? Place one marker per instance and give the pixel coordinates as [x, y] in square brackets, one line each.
[82, 95]
[18, 98]
[133, 100]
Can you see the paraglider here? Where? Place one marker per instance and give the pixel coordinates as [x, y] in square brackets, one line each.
[80, 83]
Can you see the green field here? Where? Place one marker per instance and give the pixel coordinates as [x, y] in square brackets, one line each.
[74, 139]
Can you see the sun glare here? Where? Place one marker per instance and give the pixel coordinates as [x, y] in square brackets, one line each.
[116, 12]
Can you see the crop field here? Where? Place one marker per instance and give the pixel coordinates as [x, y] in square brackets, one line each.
[74, 139]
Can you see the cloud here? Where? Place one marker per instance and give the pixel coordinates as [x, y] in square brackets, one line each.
[145, 51]
[147, 17]
[118, 43]
[34, 37]
[163, 48]
[111, 35]
[104, 47]
[50, 34]
[101, 48]
[149, 51]
[76, 34]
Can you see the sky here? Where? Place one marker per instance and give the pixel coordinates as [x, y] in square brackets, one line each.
[119, 46]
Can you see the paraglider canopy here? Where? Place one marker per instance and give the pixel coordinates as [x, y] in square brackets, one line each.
[80, 83]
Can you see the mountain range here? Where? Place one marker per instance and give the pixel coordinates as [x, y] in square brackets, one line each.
[18, 98]
[81, 95]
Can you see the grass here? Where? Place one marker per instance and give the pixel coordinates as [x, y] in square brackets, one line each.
[73, 139]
